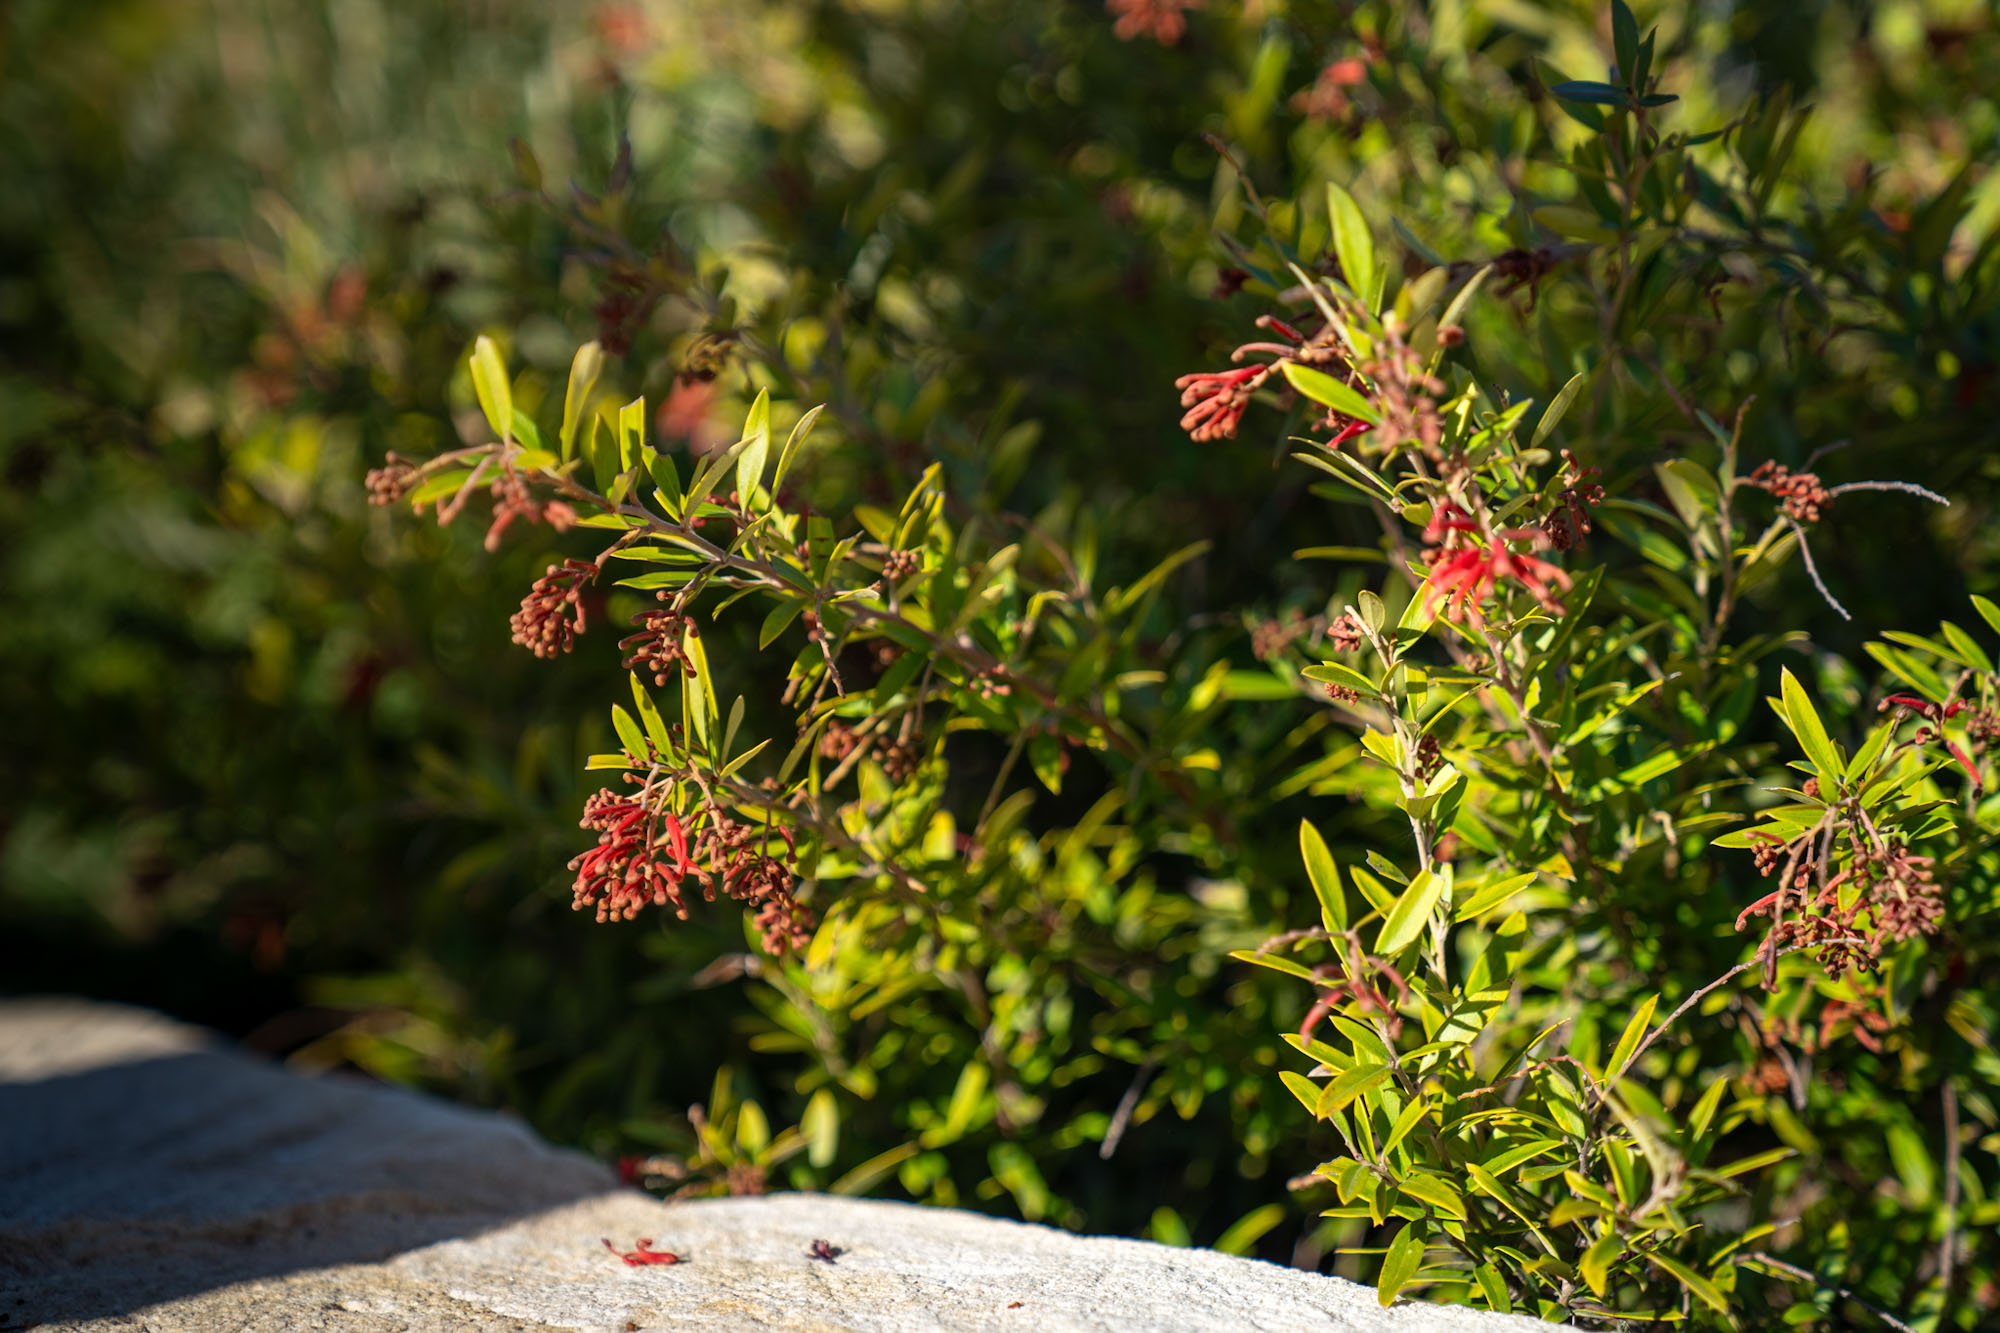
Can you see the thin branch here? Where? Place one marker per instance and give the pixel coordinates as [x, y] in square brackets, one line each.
[1694, 999]
[1127, 1104]
[1793, 1270]
[1907, 487]
[1805, 549]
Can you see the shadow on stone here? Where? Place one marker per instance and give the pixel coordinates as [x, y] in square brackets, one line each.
[139, 1163]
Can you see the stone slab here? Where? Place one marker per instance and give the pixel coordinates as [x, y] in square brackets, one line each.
[151, 1179]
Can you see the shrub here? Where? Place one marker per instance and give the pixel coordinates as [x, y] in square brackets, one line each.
[1615, 399]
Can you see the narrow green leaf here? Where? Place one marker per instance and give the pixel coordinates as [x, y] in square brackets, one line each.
[1343, 1090]
[757, 434]
[1693, 1281]
[1595, 1266]
[1352, 244]
[649, 713]
[1811, 732]
[1325, 877]
[1628, 1042]
[1247, 1230]
[866, 1176]
[793, 442]
[631, 434]
[1327, 391]
[1559, 408]
[1418, 1108]
[1968, 650]
[629, 734]
[1438, 1193]
[1400, 1264]
[1987, 611]
[821, 1125]
[584, 369]
[489, 381]
[1410, 915]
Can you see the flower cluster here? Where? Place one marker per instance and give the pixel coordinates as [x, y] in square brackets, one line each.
[644, 858]
[1568, 520]
[1854, 892]
[660, 646]
[1163, 20]
[551, 615]
[1800, 493]
[392, 481]
[512, 499]
[1215, 400]
[1468, 564]
[1405, 394]
[624, 874]
[1936, 715]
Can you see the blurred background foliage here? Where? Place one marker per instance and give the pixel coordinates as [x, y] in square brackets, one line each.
[271, 762]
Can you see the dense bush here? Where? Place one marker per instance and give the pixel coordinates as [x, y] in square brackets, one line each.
[1594, 408]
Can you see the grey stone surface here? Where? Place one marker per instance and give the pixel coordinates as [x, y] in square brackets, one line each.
[150, 1179]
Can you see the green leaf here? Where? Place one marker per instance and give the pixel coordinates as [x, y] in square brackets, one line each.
[1558, 408]
[1628, 1042]
[1418, 1108]
[1987, 611]
[1968, 651]
[866, 1176]
[1372, 610]
[1277, 963]
[1045, 757]
[1338, 1094]
[1494, 1288]
[629, 734]
[1410, 914]
[1693, 1281]
[584, 369]
[1247, 1230]
[821, 1126]
[1625, 41]
[1400, 1264]
[1334, 673]
[1352, 244]
[1438, 1193]
[1595, 1266]
[649, 713]
[757, 434]
[1325, 877]
[632, 434]
[792, 445]
[1327, 391]
[489, 381]
[1812, 735]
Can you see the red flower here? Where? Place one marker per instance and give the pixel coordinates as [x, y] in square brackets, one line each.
[1465, 574]
[1162, 20]
[1215, 400]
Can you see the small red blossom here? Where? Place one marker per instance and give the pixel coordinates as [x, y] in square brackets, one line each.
[1327, 99]
[512, 499]
[1162, 20]
[1937, 715]
[1215, 399]
[552, 615]
[642, 1255]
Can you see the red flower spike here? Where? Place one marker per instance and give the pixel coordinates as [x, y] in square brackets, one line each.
[643, 1255]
